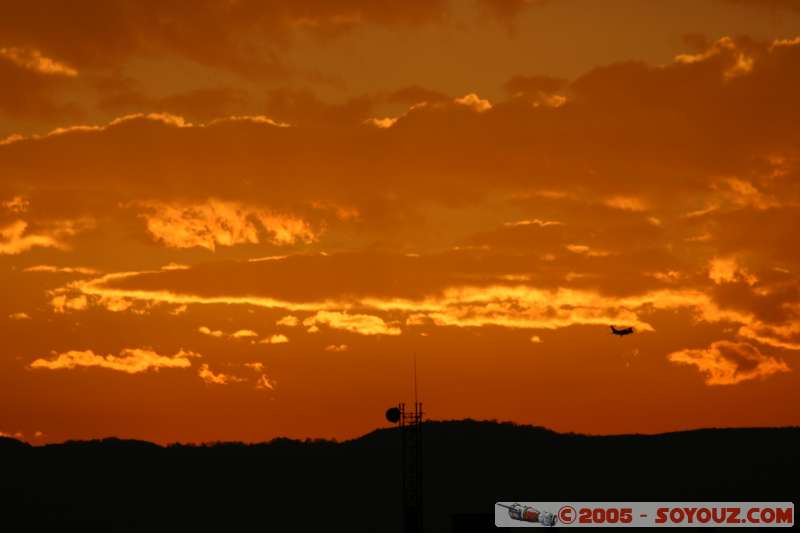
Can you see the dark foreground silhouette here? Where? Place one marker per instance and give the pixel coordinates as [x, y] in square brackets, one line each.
[288, 485]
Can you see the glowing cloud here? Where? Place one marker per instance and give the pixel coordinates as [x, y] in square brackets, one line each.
[337, 348]
[286, 230]
[168, 119]
[745, 194]
[382, 123]
[582, 249]
[18, 204]
[219, 223]
[117, 305]
[61, 303]
[131, 360]
[264, 383]
[518, 306]
[550, 100]
[534, 222]
[474, 102]
[739, 62]
[206, 226]
[670, 276]
[33, 60]
[252, 119]
[175, 266]
[244, 334]
[727, 270]
[14, 240]
[785, 336]
[208, 331]
[626, 203]
[215, 379]
[19, 316]
[61, 270]
[275, 339]
[361, 324]
[289, 321]
[728, 363]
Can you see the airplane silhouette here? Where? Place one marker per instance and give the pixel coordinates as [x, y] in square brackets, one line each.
[621, 332]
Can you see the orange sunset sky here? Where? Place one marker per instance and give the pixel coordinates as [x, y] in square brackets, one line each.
[240, 219]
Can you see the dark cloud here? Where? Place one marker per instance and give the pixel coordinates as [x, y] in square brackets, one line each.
[507, 10]
[303, 108]
[239, 36]
[415, 94]
[534, 85]
[122, 96]
[26, 93]
[773, 6]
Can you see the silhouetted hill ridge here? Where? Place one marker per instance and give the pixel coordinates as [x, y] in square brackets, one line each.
[468, 465]
[467, 424]
[10, 443]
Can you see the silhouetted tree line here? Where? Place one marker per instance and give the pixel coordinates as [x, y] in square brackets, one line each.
[319, 485]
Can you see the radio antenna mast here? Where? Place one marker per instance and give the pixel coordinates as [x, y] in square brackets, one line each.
[410, 422]
[415, 378]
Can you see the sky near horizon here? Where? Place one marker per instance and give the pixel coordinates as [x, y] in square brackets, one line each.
[237, 219]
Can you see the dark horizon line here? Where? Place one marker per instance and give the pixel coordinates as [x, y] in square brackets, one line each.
[390, 428]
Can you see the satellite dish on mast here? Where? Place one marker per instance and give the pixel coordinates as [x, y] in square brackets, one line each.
[393, 415]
